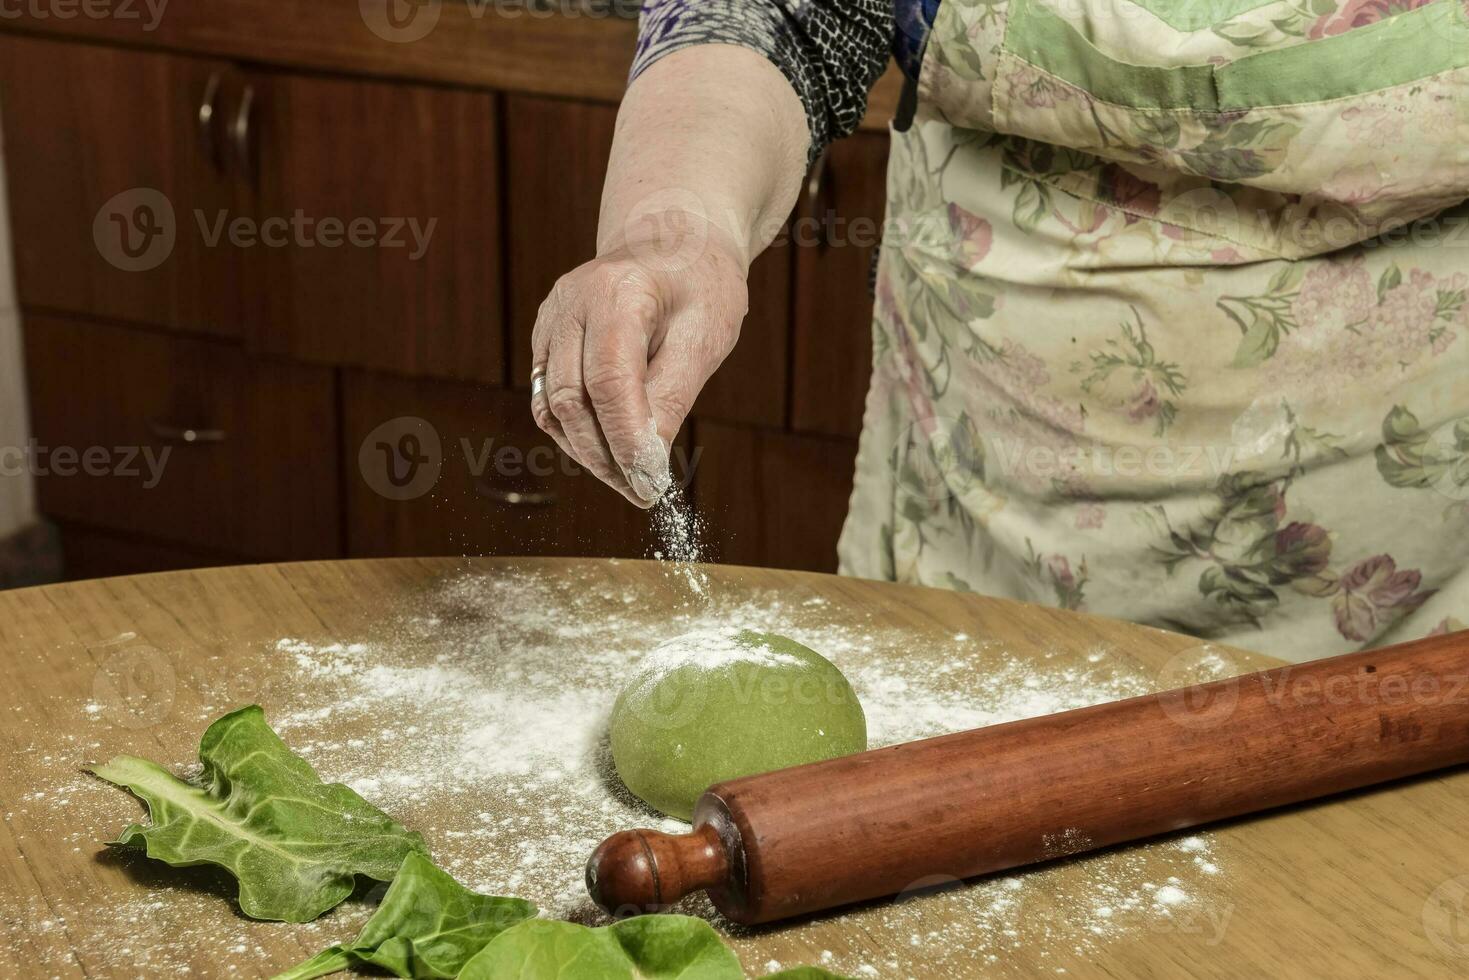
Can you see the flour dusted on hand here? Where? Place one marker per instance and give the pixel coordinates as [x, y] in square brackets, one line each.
[650, 475]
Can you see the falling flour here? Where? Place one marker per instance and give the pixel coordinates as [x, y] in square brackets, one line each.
[680, 532]
[478, 717]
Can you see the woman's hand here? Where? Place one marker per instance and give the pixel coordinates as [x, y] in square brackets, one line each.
[706, 163]
[628, 340]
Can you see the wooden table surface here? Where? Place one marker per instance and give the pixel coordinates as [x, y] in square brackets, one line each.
[1370, 885]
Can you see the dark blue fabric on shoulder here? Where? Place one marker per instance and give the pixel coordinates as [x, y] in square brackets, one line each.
[914, 18]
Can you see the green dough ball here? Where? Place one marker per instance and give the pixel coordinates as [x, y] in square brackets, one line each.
[707, 707]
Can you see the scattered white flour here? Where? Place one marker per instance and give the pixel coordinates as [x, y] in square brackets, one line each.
[478, 718]
[710, 649]
[1170, 895]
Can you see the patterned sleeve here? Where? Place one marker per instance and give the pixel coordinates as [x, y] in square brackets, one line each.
[832, 51]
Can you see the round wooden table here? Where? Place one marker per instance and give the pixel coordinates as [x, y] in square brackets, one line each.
[441, 690]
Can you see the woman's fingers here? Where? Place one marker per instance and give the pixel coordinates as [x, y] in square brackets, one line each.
[550, 313]
[626, 351]
[562, 409]
[697, 341]
[614, 369]
[567, 397]
[540, 409]
[675, 379]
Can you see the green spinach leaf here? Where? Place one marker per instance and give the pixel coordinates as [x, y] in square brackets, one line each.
[649, 947]
[258, 810]
[428, 926]
[296, 846]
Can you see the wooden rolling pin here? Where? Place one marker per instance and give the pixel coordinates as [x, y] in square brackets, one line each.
[817, 836]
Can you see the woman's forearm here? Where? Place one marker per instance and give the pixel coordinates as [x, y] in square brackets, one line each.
[711, 143]
[710, 147]
[715, 129]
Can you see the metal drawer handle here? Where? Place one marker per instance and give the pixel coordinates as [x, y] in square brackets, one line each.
[185, 434]
[816, 193]
[816, 179]
[240, 129]
[206, 119]
[516, 498]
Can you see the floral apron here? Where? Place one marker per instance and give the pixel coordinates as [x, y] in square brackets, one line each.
[1171, 319]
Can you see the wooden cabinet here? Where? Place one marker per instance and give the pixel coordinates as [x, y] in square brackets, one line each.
[557, 162]
[286, 255]
[93, 552]
[329, 220]
[388, 196]
[439, 468]
[752, 384]
[186, 441]
[109, 163]
[837, 236]
[774, 498]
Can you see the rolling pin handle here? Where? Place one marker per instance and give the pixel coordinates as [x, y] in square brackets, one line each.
[641, 871]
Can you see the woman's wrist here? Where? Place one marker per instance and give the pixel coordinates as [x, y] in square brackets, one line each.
[674, 239]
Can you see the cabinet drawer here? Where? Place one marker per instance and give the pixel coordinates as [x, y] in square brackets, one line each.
[183, 440]
[837, 236]
[108, 170]
[436, 468]
[772, 498]
[394, 256]
[89, 552]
